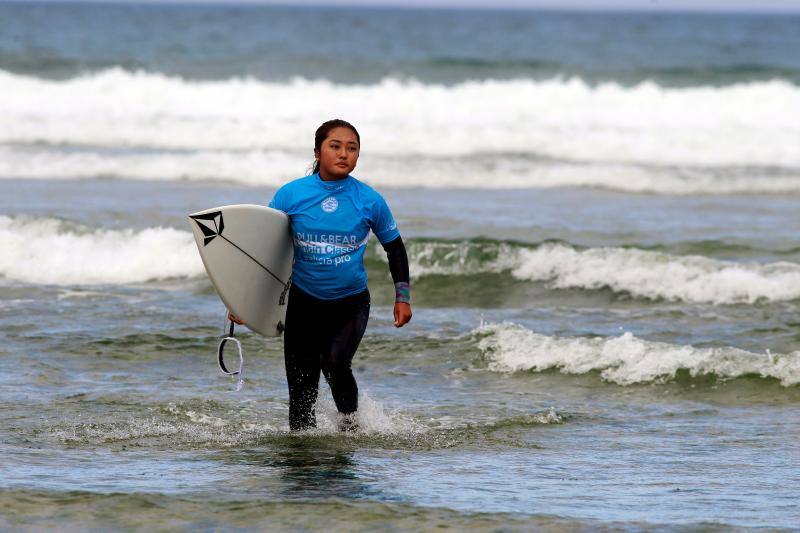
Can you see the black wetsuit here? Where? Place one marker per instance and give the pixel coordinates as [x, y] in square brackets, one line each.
[323, 335]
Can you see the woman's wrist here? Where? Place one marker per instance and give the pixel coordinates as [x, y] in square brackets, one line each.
[402, 292]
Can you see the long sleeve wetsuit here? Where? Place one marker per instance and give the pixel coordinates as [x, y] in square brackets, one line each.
[329, 302]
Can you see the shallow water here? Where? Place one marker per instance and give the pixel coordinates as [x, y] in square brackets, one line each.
[603, 246]
[508, 402]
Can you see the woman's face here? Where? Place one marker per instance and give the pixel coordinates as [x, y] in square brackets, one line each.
[338, 154]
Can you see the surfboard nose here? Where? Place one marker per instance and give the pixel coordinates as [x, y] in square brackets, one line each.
[210, 223]
[250, 265]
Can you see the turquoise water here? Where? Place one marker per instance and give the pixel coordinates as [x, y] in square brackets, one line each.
[603, 246]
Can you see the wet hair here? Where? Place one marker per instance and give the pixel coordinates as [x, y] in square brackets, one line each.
[322, 133]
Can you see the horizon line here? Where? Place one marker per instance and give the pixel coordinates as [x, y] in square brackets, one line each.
[653, 8]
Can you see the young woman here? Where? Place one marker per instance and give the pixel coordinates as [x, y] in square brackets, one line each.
[331, 214]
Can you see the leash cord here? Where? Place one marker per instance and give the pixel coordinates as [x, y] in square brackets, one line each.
[220, 357]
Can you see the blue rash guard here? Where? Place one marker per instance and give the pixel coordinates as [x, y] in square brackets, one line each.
[330, 223]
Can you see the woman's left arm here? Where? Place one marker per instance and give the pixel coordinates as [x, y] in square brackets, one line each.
[398, 266]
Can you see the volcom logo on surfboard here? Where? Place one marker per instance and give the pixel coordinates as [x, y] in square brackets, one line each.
[211, 224]
[330, 204]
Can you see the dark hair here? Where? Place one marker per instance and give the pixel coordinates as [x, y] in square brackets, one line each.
[324, 130]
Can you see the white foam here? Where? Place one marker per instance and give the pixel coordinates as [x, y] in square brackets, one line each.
[192, 426]
[196, 431]
[49, 251]
[640, 273]
[626, 359]
[246, 167]
[274, 168]
[656, 275]
[414, 134]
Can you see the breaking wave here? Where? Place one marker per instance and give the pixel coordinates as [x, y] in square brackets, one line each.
[56, 252]
[639, 273]
[51, 251]
[493, 133]
[655, 275]
[625, 360]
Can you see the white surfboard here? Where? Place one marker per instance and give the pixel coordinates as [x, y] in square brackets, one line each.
[247, 251]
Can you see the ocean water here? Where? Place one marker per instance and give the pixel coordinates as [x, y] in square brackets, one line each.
[601, 214]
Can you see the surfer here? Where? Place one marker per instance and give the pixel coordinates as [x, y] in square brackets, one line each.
[331, 214]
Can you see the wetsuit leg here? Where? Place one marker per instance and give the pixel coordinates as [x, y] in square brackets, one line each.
[342, 333]
[301, 350]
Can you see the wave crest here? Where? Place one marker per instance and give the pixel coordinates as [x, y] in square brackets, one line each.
[625, 360]
[51, 251]
[491, 133]
[56, 252]
[639, 273]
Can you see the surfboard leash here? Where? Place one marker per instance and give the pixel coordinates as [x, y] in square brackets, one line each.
[220, 357]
